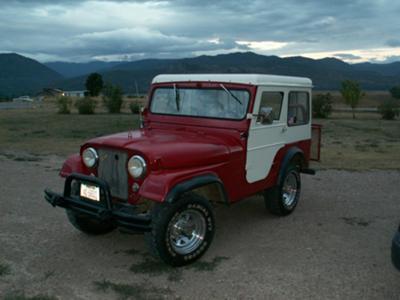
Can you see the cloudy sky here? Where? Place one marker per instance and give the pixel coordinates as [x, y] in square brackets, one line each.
[69, 30]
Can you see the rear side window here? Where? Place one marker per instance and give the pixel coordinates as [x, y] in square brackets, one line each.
[270, 107]
[298, 109]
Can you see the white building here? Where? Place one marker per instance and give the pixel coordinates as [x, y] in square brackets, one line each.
[23, 99]
[79, 94]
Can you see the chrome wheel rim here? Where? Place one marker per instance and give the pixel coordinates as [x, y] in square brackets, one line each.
[290, 189]
[187, 231]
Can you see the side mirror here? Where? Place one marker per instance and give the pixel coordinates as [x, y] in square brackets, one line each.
[142, 115]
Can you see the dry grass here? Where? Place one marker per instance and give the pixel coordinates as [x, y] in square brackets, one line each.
[365, 143]
[4, 269]
[370, 99]
[50, 103]
[22, 296]
[133, 291]
[42, 131]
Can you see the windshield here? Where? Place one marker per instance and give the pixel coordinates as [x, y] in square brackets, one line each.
[210, 103]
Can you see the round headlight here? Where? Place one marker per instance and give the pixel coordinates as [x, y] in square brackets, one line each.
[90, 157]
[136, 166]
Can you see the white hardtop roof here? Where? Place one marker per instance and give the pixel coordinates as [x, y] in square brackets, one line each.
[253, 79]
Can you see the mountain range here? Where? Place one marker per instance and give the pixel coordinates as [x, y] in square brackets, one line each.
[20, 75]
[70, 70]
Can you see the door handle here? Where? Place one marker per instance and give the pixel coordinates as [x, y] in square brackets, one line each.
[244, 135]
[284, 129]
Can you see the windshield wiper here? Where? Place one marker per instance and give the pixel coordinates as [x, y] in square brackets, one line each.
[230, 93]
[177, 98]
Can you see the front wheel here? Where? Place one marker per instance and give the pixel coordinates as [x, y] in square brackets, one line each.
[182, 231]
[282, 199]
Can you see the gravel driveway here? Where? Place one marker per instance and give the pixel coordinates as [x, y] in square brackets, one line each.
[335, 246]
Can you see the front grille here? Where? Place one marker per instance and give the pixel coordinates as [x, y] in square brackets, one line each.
[112, 169]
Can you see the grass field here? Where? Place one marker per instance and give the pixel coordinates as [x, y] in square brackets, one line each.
[41, 132]
[362, 144]
[367, 142]
[371, 99]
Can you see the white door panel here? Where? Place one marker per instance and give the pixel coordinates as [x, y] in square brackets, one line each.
[298, 133]
[264, 141]
[260, 161]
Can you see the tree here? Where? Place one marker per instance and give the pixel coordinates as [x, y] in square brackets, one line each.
[351, 92]
[395, 92]
[112, 98]
[322, 105]
[94, 84]
[389, 109]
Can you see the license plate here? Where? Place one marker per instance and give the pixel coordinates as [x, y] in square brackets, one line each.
[90, 192]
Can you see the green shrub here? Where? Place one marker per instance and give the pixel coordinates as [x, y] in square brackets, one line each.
[389, 109]
[395, 92]
[5, 99]
[322, 105]
[135, 107]
[64, 105]
[112, 98]
[85, 106]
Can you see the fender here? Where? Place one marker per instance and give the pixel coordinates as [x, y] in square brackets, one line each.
[73, 164]
[196, 182]
[289, 155]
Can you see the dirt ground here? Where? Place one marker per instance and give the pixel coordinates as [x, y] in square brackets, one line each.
[335, 246]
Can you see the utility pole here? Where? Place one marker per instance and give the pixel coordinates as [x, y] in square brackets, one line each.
[137, 90]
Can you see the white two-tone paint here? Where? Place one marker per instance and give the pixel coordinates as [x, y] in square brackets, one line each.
[265, 141]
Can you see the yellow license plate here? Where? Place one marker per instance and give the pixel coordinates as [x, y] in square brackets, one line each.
[90, 192]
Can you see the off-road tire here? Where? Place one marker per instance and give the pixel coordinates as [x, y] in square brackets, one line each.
[163, 217]
[273, 197]
[89, 225]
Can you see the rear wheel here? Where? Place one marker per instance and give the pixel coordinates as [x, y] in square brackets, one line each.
[282, 199]
[89, 225]
[181, 231]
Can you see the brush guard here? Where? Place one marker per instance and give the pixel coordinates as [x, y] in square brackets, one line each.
[123, 215]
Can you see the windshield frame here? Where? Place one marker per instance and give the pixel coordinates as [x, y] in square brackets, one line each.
[202, 86]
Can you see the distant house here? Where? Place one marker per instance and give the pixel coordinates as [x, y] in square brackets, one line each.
[50, 92]
[79, 94]
[23, 99]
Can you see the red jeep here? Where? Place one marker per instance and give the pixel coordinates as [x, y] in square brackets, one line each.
[204, 138]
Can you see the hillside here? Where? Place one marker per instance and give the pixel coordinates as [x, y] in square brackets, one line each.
[20, 75]
[327, 73]
[392, 69]
[69, 70]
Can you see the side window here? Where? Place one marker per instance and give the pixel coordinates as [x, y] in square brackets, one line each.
[298, 109]
[270, 107]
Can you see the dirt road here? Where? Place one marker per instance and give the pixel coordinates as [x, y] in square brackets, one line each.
[335, 246]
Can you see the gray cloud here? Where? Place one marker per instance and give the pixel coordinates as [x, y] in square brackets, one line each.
[388, 60]
[81, 30]
[393, 43]
[347, 56]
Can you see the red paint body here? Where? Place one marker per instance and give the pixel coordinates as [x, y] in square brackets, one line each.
[177, 148]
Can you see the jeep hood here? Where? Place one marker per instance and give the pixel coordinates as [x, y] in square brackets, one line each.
[174, 149]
